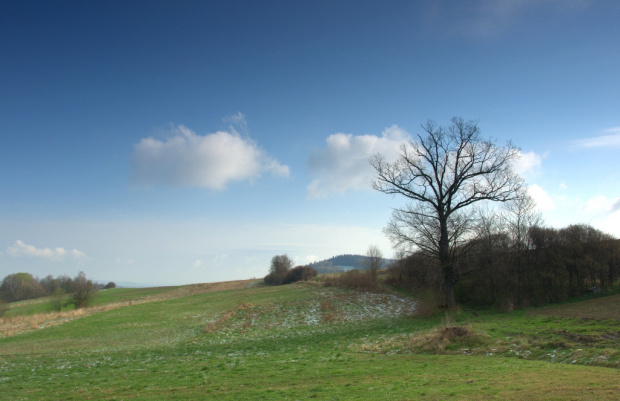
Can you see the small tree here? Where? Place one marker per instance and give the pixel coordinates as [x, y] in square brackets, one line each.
[374, 260]
[57, 299]
[83, 291]
[111, 284]
[280, 266]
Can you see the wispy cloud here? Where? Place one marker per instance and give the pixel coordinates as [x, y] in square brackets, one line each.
[486, 19]
[344, 164]
[21, 249]
[612, 139]
[187, 159]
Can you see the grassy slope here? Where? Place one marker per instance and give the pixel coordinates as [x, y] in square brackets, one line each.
[305, 341]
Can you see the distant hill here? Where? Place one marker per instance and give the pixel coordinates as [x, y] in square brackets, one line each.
[342, 263]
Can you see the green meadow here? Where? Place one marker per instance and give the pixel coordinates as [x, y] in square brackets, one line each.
[307, 341]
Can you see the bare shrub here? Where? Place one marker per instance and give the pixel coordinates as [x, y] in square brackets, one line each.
[328, 310]
[355, 280]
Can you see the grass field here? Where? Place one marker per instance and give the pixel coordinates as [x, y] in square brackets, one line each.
[240, 341]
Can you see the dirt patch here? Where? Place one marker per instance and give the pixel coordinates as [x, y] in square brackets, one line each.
[599, 309]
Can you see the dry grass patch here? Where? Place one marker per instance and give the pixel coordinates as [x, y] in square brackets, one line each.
[445, 339]
[216, 324]
[448, 338]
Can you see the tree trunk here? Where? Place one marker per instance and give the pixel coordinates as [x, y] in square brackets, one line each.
[447, 268]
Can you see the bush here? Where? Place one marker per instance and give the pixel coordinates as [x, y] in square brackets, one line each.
[300, 273]
[57, 299]
[111, 284]
[355, 280]
[280, 266]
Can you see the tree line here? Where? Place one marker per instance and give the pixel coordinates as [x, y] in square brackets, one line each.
[543, 266]
[21, 286]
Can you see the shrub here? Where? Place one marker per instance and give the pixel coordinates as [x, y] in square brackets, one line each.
[111, 284]
[280, 266]
[3, 307]
[355, 280]
[58, 299]
[300, 273]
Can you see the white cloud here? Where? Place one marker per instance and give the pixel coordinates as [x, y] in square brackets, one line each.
[197, 263]
[526, 162]
[541, 197]
[344, 165]
[20, 249]
[597, 205]
[77, 254]
[604, 214]
[603, 141]
[209, 161]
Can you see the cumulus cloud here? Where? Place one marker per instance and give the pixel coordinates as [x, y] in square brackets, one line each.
[611, 140]
[343, 165]
[187, 159]
[20, 249]
[541, 197]
[527, 162]
[604, 214]
[598, 205]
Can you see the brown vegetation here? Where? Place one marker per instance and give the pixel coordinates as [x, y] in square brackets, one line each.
[355, 280]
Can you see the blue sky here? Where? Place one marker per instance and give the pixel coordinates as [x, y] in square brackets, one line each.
[167, 142]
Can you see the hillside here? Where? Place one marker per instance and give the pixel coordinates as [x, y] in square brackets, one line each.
[247, 341]
[343, 263]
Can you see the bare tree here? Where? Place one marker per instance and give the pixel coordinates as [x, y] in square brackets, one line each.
[374, 260]
[521, 216]
[442, 174]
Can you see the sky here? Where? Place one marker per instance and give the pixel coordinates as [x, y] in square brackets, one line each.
[173, 142]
